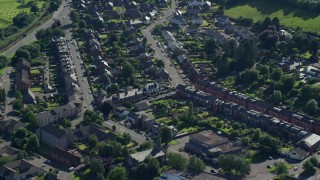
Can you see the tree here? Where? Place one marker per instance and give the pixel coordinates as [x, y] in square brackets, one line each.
[92, 141]
[314, 46]
[308, 167]
[97, 167]
[264, 71]
[276, 74]
[223, 66]
[269, 145]
[128, 71]
[118, 173]
[177, 161]
[232, 47]
[3, 61]
[288, 82]
[33, 143]
[166, 135]
[276, 97]
[140, 171]
[66, 123]
[211, 46]
[196, 164]
[234, 164]
[281, 168]
[311, 107]
[21, 133]
[190, 112]
[34, 8]
[245, 141]
[153, 167]
[22, 20]
[75, 17]
[124, 139]
[314, 161]
[92, 116]
[246, 54]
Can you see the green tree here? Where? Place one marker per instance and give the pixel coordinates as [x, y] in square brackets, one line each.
[140, 171]
[234, 164]
[92, 141]
[264, 71]
[277, 74]
[246, 54]
[166, 135]
[311, 107]
[196, 164]
[177, 161]
[276, 97]
[75, 17]
[34, 9]
[118, 173]
[308, 167]
[281, 168]
[153, 167]
[3, 61]
[269, 145]
[97, 167]
[314, 161]
[92, 116]
[33, 143]
[288, 82]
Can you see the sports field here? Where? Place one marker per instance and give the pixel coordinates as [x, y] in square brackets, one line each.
[10, 8]
[289, 17]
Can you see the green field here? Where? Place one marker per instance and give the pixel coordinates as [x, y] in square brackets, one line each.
[289, 17]
[10, 8]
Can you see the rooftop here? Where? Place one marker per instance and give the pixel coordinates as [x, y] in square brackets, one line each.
[209, 138]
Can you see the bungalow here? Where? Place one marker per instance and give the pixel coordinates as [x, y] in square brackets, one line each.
[121, 112]
[222, 21]
[8, 127]
[20, 169]
[133, 14]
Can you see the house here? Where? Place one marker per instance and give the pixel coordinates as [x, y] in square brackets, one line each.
[162, 3]
[20, 169]
[29, 97]
[8, 127]
[22, 80]
[53, 136]
[118, 3]
[7, 151]
[69, 159]
[222, 21]
[194, 10]
[206, 6]
[133, 5]
[141, 106]
[92, 129]
[311, 142]
[157, 152]
[23, 64]
[196, 20]
[298, 153]
[133, 14]
[244, 33]
[146, 20]
[151, 88]
[121, 112]
[177, 20]
[109, 6]
[209, 144]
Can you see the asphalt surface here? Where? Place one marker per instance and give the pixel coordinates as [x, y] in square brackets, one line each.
[176, 78]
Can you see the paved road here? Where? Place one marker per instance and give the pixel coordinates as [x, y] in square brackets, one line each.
[62, 11]
[160, 51]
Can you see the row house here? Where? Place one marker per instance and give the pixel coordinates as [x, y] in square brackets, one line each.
[253, 118]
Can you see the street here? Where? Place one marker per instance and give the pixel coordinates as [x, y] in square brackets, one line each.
[176, 78]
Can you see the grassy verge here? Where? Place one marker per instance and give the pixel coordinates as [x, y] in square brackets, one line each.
[288, 16]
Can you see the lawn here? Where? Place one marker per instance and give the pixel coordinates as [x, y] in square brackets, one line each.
[189, 130]
[81, 147]
[36, 89]
[10, 8]
[51, 105]
[35, 71]
[173, 142]
[289, 17]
